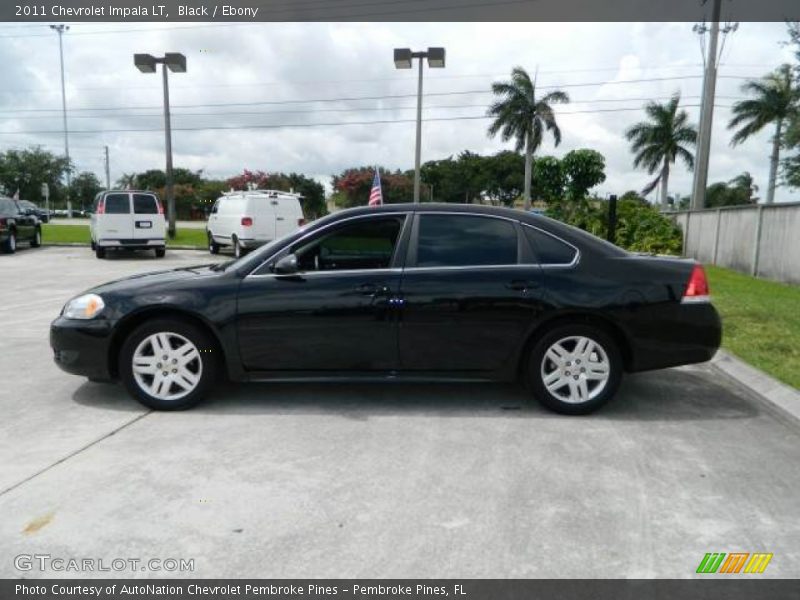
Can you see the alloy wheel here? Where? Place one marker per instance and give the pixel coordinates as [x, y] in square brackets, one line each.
[575, 369]
[167, 366]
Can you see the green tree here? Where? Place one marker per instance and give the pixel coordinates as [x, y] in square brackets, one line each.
[549, 179]
[657, 143]
[352, 186]
[26, 171]
[520, 115]
[504, 175]
[774, 101]
[583, 169]
[84, 186]
[747, 183]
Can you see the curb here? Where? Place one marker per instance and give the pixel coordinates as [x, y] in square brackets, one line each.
[80, 245]
[784, 398]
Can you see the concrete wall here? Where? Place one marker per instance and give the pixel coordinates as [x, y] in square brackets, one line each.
[759, 240]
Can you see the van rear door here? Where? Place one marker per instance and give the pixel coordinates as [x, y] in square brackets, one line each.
[265, 210]
[115, 222]
[286, 219]
[148, 218]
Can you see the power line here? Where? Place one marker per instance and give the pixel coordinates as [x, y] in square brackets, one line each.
[311, 125]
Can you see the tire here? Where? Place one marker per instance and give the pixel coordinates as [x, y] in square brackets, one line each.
[238, 250]
[37, 238]
[213, 247]
[99, 251]
[10, 245]
[578, 384]
[183, 386]
[93, 245]
[160, 252]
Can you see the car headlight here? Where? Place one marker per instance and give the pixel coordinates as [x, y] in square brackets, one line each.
[87, 306]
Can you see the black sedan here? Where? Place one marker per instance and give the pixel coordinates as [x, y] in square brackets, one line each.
[399, 292]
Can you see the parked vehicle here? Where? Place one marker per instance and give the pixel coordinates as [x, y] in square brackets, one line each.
[246, 220]
[420, 292]
[127, 219]
[31, 208]
[18, 224]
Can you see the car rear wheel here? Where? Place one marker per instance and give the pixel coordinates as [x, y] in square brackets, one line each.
[238, 250]
[575, 369]
[10, 245]
[99, 251]
[168, 364]
[161, 252]
[213, 246]
[37, 238]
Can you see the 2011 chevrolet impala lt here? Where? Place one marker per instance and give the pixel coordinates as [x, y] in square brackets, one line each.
[399, 292]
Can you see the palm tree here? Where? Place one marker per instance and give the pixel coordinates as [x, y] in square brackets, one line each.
[775, 99]
[658, 142]
[127, 181]
[746, 182]
[520, 115]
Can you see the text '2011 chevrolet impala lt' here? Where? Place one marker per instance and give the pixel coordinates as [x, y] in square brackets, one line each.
[399, 292]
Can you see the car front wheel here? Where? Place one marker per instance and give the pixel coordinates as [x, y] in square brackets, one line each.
[37, 238]
[575, 369]
[168, 364]
[10, 245]
[213, 247]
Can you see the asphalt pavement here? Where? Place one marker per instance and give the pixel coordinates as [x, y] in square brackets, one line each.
[395, 480]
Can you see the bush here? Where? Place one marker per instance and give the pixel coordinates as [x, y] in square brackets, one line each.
[640, 226]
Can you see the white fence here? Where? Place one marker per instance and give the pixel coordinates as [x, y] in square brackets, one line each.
[761, 240]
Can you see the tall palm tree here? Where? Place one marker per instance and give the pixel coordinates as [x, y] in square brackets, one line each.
[774, 100]
[657, 143]
[746, 182]
[520, 115]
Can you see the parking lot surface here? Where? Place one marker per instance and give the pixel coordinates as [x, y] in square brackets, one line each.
[310, 480]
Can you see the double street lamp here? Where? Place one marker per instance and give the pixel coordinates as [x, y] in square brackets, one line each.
[176, 62]
[403, 59]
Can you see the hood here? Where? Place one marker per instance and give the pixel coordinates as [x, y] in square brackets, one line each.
[145, 281]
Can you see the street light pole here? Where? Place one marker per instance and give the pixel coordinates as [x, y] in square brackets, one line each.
[176, 62]
[60, 29]
[403, 59]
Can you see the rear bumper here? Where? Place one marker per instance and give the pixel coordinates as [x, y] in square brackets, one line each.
[131, 243]
[81, 347]
[672, 335]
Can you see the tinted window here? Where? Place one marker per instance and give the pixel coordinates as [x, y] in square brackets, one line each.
[144, 204]
[117, 204]
[549, 250]
[367, 244]
[215, 208]
[456, 241]
[7, 206]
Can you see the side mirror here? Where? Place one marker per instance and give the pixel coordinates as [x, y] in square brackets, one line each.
[286, 265]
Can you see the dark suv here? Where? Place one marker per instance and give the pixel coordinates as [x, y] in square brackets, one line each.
[18, 224]
[31, 208]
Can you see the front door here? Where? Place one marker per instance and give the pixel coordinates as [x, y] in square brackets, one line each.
[467, 301]
[336, 313]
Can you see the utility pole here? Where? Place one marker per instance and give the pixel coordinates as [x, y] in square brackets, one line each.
[710, 59]
[60, 29]
[108, 172]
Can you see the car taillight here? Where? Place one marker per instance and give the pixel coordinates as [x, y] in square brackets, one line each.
[697, 286]
[2, 223]
[301, 221]
[160, 207]
[247, 221]
[101, 207]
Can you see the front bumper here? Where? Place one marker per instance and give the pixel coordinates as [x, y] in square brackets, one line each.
[81, 347]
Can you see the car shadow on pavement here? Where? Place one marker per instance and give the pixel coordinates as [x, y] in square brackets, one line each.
[670, 395]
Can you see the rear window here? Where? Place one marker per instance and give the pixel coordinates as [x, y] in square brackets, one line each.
[144, 204]
[117, 204]
[549, 250]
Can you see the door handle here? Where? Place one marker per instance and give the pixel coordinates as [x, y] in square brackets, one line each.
[520, 285]
[371, 289]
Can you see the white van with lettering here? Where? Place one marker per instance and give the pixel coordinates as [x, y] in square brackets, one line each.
[246, 220]
[128, 219]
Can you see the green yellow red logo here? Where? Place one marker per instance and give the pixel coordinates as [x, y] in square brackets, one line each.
[734, 562]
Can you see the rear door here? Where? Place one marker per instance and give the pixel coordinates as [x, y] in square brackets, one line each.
[263, 211]
[148, 220]
[116, 222]
[285, 216]
[468, 301]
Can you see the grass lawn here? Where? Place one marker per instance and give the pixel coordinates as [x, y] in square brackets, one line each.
[761, 321]
[53, 233]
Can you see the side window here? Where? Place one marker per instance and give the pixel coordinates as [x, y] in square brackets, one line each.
[547, 249]
[145, 204]
[117, 204]
[366, 244]
[215, 208]
[463, 241]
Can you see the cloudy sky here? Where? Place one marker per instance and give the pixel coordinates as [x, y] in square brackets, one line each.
[274, 76]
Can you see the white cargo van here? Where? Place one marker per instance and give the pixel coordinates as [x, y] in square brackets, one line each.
[246, 220]
[127, 219]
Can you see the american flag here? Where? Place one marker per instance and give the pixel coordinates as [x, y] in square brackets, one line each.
[375, 195]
